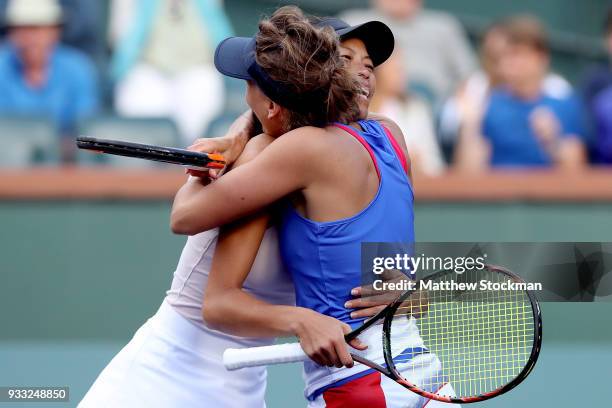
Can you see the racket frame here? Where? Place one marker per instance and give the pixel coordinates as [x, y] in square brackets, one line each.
[186, 158]
[387, 316]
[390, 313]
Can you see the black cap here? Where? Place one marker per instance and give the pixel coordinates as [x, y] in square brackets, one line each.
[235, 55]
[376, 35]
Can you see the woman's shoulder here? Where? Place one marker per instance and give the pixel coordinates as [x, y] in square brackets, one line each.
[305, 138]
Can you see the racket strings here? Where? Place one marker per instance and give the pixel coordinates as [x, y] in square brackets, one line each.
[478, 340]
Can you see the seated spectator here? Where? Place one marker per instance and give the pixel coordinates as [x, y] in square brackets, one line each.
[522, 126]
[473, 94]
[411, 113]
[597, 91]
[602, 113]
[599, 77]
[434, 45]
[39, 76]
[82, 26]
[163, 61]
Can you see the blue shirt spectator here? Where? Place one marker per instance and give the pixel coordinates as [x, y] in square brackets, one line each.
[596, 80]
[522, 125]
[83, 28]
[68, 95]
[596, 92]
[508, 126]
[38, 75]
[599, 77]
[602, 110]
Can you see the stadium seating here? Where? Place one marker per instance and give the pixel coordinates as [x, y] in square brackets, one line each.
[27, 141]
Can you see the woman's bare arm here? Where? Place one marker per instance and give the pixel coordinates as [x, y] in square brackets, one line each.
[283, 167]
[228, 308]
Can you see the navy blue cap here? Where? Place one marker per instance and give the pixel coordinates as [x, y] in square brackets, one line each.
[376, 35]
[235, 57]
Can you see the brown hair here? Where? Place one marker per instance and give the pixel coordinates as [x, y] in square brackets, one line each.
[527, 30]
[306, 59]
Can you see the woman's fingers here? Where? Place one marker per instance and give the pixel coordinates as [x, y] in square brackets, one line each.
[342, 347]
[367, 312]
[323, 339]
[212, 145]
[344, 357]
[333, 359]
[358, 344]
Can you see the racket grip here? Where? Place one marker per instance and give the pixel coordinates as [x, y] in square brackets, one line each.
[234, 359]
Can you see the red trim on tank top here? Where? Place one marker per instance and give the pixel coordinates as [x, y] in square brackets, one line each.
[398, 150]
[361, 140]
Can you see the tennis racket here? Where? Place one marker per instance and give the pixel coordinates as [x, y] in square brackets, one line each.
[481, 341]
[170, 155]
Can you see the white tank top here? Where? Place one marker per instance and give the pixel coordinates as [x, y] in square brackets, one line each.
[267, 279]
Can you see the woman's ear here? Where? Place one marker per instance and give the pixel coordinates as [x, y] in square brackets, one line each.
[274, 109]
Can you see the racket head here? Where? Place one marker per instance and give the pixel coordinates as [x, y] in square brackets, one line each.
[182, 157]
[495, 367]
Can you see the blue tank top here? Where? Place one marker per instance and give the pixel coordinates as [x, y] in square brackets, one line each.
[324, 258]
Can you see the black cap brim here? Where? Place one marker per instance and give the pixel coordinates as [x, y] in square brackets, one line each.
[377, 37]
[234, 56]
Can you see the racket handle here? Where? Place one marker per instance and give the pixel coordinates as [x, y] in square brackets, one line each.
[234, 359]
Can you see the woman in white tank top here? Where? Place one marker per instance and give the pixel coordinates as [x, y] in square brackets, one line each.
[174, 359]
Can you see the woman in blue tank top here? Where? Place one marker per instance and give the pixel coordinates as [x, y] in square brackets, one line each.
[341, 185]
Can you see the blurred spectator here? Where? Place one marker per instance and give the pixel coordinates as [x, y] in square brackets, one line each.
[163, 60]
[473, 94]
[411, 113]
[82, 26]
[602, 112]
[597, 90]
[521, 125]
[435, 48]
[39, 76]
[600, 77]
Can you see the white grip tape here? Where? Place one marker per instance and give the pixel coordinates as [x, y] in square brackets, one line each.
[233, 359]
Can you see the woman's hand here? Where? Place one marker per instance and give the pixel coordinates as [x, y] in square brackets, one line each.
[369, 301]
[229, 146]
[322, 338]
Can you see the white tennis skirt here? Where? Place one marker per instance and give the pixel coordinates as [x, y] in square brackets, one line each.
[170, 362]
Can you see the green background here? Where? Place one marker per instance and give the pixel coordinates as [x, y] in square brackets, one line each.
[79, 277]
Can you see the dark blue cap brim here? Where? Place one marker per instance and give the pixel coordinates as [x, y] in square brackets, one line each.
[234, 56]
[377, 37]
